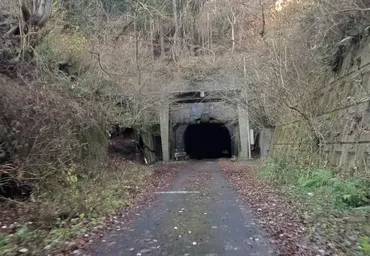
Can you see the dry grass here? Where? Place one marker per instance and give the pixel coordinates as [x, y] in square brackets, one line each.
[69, 211]
[53, 129]
[46, 132]
[56, 145]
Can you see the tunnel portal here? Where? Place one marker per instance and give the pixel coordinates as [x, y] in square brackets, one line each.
[207, 141]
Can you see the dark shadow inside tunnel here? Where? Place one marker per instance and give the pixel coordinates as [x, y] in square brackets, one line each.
[207, 141]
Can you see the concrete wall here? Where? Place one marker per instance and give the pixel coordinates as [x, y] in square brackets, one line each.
[265, 142]
[223, 79]
[165, 132]
[179, 137]
[244, 135]
[189, 113]
[344, 116]
[234, 133]
[174, 123]
[149, 151]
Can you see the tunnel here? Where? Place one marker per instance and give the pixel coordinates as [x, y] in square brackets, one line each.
[207, 141]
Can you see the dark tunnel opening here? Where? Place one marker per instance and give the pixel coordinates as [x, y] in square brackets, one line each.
[207, 141]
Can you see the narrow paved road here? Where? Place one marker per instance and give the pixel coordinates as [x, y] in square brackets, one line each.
[206, 219]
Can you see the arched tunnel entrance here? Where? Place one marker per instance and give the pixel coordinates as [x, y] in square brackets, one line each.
[207, 140]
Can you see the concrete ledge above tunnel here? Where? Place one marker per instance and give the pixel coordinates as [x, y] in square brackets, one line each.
[207, 141]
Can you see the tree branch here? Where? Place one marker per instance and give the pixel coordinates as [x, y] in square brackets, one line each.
[44, 12]
[100, 65]
[262, 33]
[11, 31]
[124, 29]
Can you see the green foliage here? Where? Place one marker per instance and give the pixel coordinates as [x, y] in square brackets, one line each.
[334, 210]
[74, 206]
[62, 48]
[365, 244]
[5, 244]
[351, 193]
[25, 234]
[281, 173]
[10, 243]
[323, 183]
[102, 191]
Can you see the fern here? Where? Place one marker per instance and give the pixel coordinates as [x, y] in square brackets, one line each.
[318, 178]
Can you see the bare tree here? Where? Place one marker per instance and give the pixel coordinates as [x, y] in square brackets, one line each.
[34, 13]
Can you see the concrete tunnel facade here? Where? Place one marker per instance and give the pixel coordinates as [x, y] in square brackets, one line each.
[204, 125]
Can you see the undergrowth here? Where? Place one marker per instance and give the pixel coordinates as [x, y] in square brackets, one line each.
[336, 210]
[353, 192]
[70, 210]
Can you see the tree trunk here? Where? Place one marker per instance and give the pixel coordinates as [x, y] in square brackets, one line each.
[161, 38]
[137, 48]
[151, 27]
[175, 36]
[43, 12]
[232, 20]
[233, 34]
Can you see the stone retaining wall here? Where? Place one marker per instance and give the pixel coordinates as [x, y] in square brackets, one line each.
[343, 118]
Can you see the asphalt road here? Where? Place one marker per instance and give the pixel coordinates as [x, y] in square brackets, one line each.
[200, 215]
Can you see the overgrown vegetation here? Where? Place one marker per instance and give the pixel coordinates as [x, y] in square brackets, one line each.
[335, 209]
[70, 208]
[79, 67]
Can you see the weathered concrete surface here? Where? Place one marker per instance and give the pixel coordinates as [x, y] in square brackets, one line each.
[190, 113]
[211, 222]
[245, 147]
[165, 132]
[343, 116]
[265, 142]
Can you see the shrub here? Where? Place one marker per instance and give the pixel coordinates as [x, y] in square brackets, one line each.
[351, 193]
[69, 49]
[113, 187]
[365, 244]
[45, 134]
[323, 183]
[281, 172]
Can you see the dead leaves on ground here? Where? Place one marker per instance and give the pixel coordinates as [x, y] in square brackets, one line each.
[277, 214]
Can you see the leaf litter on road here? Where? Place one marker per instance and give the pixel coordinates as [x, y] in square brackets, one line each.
[277, 215]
